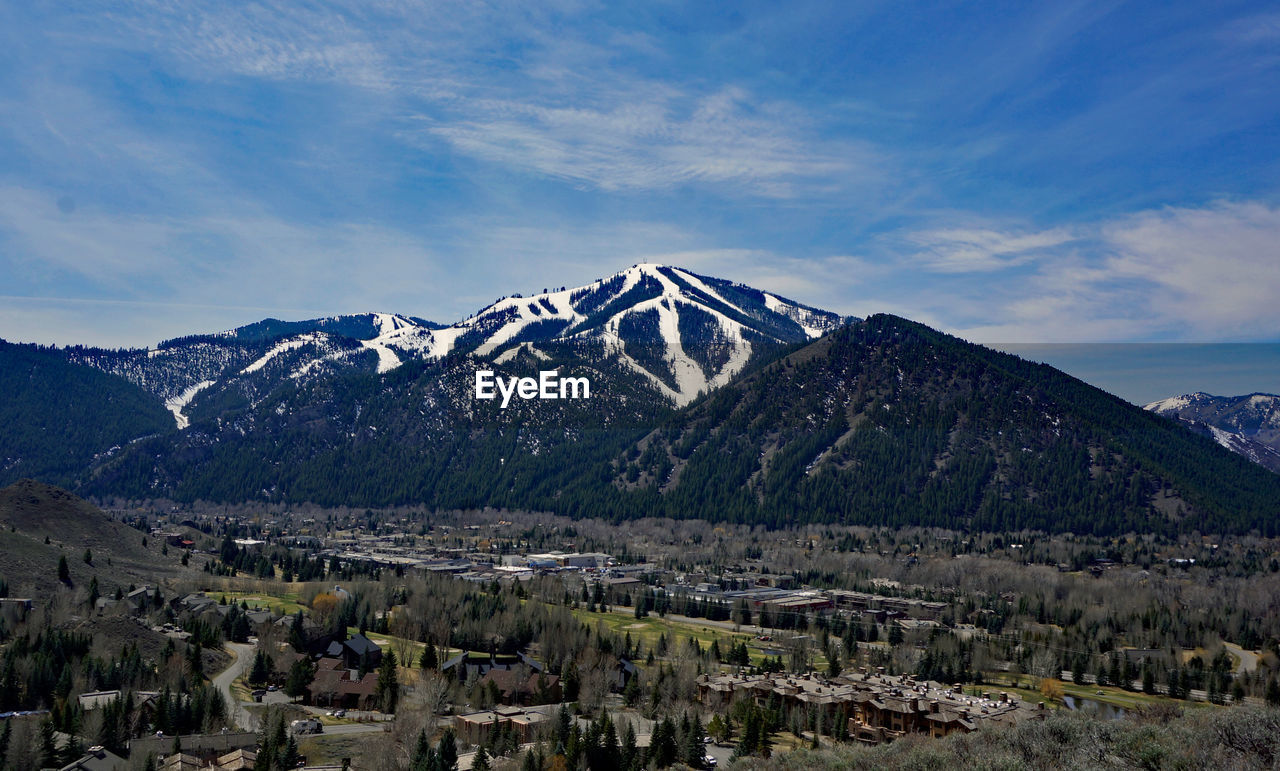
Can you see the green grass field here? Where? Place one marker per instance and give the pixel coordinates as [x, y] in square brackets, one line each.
[622, 621]
[1116, 697]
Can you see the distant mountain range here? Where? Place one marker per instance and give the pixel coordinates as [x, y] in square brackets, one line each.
[684, 334]
[708, 399]
[1248, 425]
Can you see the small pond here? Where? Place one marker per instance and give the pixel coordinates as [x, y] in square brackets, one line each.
[1099, 708]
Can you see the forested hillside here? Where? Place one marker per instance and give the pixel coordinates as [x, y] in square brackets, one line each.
[890, 422]
[881, 422]
[57, 417]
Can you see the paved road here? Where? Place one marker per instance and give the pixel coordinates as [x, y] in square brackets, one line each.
[243, 659]
[344, 729]
[1246, 661]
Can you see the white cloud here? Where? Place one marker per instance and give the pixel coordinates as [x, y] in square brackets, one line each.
[1189, 274]
[231, 265]
[654, 139]
[1217, 267]
[290, 42]
[970, 250]
[538, 90]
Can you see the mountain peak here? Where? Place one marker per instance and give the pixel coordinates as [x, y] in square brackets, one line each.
[681, 333]
[1248, 424]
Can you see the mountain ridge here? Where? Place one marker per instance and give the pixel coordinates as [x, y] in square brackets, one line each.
[683, 332]
[1248, 424]
[709, 399]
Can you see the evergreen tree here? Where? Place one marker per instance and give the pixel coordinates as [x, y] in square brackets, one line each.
[532, 760]
[424, 755]
[260, 672]
[6, 734]
[429, 658]
[388, 689]
[195, 661]
[693, 746]
[48, 745]
[64, 572]
[628, 753]
[297, 637]
[447, 752]
[662, 746]
[289, 756]
[480, 762]
[301, 673]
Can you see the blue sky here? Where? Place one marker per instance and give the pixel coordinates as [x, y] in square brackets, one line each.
[1020, 172]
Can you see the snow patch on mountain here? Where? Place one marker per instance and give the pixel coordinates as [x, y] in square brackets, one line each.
[510, 354]
[1247, 425]
[1173, 403]
[812, 323]
[176, 404]
[387, 359]
[292, 343]
[1223, 438]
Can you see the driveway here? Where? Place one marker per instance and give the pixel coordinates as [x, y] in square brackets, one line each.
[242, 659]
[1246, 661]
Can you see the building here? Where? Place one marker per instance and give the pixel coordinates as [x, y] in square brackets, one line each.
[516, 687]
[874, 707]
[236, 760]
[472, 663]
[203, 747]
[335, 686]
[475, 728]
[356, 652]
[98, 759]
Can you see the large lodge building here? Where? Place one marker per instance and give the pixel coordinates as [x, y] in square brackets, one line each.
[873, 706]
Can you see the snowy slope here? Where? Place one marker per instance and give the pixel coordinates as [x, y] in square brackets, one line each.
[600, 311]
[683, 333]
[1248, 425]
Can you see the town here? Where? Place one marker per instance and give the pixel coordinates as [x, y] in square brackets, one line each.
[318, 636]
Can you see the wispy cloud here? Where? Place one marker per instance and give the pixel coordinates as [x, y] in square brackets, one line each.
[530, 91]
[1253, 29]
[977, 250]
[1038, 174]
[253, 260]
[656, 142]
[1178, 273]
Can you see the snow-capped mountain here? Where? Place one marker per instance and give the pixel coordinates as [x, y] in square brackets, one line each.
[684, 334]
[1248, 425]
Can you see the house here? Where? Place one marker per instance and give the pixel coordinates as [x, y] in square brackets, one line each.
[201, 748]
[91, 700]
[336, 686]
[358, 652]
[475, 728]
[258, 618]
[516, 687]
[360, 649]
[473, 663]
[98, 759]
[197, 602]
[315, 637]
[139, 599]
[874, 707]
[622, 673]
[236, 760]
